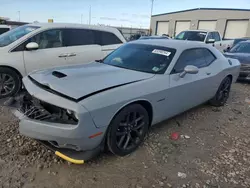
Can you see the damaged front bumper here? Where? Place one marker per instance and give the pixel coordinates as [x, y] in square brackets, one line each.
[65, 133]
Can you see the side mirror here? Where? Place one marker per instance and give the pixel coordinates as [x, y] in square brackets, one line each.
[227, 50]
[189, 69]
[32, 46]
[210, 41]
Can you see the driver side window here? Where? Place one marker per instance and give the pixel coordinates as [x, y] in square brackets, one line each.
[190, 57]
[49, 39]
[209, 36]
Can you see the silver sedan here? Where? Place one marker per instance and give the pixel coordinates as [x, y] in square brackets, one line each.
[77, 110]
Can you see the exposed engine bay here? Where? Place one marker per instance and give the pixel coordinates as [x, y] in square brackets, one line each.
[34, 108]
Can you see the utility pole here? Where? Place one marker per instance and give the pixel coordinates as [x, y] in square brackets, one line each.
[81, 18]
[152, 7]
[89, 14]
[18, 16]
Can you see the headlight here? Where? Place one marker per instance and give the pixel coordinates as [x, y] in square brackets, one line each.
[72, 114]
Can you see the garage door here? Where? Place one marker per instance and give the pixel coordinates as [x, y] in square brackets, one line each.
[236, 29]
[207, 25]
[162, 28]
[181, 26]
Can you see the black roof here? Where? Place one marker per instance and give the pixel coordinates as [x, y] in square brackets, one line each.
[201, 9]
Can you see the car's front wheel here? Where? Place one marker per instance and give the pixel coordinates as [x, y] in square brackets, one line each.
[10, 82]
[222, 94]
[128, 130]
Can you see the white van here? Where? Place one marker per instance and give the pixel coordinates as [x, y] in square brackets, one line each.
[40, 46]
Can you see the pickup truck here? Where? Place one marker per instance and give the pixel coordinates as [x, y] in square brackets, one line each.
[209, 37]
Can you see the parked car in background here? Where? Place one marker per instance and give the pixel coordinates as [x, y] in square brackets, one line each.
[241, 51]
[40, 46]
[77, 110]
[4, 29]
[236, 41]
[209, 37]
[153, 37]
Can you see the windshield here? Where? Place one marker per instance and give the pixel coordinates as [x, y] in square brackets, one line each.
[192, 35]
[15, 34]
[141, 57]
[243, 47]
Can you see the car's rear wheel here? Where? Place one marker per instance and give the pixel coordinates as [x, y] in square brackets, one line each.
[128, 130]
[222, 94]
[10, 82]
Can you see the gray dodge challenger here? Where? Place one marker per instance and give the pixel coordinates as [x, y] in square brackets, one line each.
[77, 111]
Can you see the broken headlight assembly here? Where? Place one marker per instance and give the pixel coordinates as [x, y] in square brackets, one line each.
[39, 110]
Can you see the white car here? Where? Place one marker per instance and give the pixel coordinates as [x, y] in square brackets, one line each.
[41, 46]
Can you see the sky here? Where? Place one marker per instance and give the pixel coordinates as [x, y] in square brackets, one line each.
[129, 13]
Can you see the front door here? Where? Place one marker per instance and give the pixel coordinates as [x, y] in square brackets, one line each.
[192, 89]
[51, 52]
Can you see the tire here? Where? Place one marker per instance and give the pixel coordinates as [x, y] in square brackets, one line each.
[128, 130]
[222, 93]
[10, 82]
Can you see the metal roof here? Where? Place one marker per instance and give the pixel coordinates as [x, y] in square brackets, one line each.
[201, 9]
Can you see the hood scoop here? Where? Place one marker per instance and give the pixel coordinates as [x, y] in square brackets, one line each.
[58, 74]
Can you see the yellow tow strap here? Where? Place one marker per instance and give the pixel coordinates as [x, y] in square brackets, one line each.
[68, 158]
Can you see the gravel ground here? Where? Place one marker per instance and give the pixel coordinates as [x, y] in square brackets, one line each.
[213, 151]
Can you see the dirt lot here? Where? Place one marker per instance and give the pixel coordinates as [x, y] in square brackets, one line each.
[213, 152]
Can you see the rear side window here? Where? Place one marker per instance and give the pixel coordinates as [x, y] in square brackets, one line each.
[78, 37]
[107, 38]
[209, 57]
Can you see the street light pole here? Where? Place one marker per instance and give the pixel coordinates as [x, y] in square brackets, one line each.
[89, 14]
[152, 7]
[19, 16]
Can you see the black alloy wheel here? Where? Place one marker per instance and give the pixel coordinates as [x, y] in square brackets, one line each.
[128, 130]
[223, 93]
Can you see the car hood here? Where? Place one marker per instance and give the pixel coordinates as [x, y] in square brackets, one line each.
[244, 58]
[80, 81]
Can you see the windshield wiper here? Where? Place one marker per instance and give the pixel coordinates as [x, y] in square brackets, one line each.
[99, 61]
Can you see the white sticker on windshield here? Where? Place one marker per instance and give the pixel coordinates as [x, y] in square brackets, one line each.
[161, 52]
[155, 69]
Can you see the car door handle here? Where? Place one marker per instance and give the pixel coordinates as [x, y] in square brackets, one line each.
[208, 73]
[63, 55]
[71, 55]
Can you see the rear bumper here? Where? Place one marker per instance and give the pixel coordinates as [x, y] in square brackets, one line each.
[244, 75]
